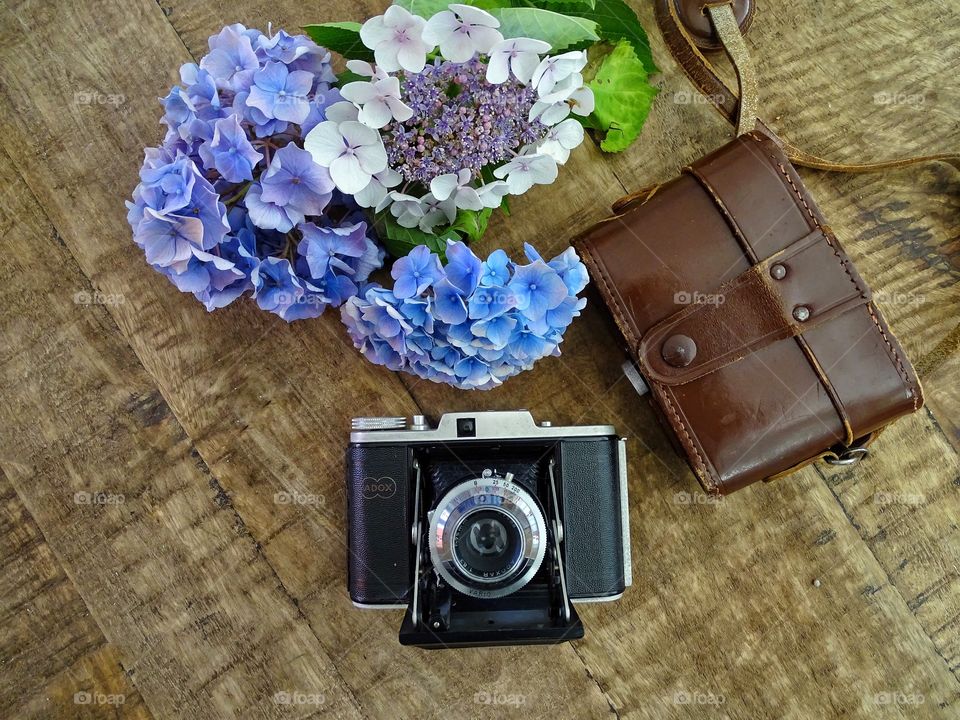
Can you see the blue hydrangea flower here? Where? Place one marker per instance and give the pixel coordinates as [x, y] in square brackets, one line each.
[415, 272]
[268, 215]
[213, 216]
[230, 151]
[568, 266]
[418, 312]
[497, 330]
[537, 288]
[318, 109]
[490, 302]
[449, 303]
[463, 267]
[174, 182]
[496, 270]
[475, 339]
[295, 182]
[281, 94]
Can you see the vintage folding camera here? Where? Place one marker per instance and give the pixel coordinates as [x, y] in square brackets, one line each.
[486, 528]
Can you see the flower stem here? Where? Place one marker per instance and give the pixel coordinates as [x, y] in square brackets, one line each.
[237, 195]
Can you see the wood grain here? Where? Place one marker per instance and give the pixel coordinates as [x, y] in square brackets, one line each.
[220, 580]
[156, 550]
[56, 660]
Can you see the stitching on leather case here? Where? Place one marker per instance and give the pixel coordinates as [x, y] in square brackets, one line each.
[615, 305]
[614, 298]
[682, 423]
[725, 212]
[891, 350]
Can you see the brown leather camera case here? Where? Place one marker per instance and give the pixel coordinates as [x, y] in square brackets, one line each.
[755, 333]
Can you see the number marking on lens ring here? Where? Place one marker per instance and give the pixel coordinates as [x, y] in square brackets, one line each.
[506, 496]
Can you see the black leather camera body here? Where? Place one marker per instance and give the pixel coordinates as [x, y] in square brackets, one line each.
[486, 528]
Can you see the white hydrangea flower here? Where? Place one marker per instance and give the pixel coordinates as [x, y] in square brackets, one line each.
[375, 194]
[492, 193]
[350, 150]
[462, 31]
[557, 68]
[457, 186]
[406, 209]
[582, 101]
[554, 106]
[365, 69]
[561, 139]
[379, 101]
[396, 38]
[519, 55]
[341, 112]
[525, 171]
[436, 211]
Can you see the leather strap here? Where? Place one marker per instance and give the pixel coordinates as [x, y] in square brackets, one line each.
[756, 308]
[685, 49]
[725, 24]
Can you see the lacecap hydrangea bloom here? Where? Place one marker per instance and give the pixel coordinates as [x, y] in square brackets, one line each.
[231, 204]
[470, 323]
[486, 117]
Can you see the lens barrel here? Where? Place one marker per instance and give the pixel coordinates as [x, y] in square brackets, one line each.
[487, 537]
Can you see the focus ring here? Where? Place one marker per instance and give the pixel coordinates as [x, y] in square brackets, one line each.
[494, 493]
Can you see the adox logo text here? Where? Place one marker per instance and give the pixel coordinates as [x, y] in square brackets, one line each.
[385, 487]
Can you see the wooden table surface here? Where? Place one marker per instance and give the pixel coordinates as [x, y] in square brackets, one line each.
[189, 588]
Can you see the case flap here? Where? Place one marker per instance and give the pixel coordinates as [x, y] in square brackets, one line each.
[787, 294]
[756, 334]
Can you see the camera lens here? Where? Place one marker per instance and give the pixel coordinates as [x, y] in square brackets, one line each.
[487, 544]
[488, 537]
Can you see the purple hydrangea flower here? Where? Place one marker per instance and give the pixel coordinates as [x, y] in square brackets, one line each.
[325, 248]
[459, 121]
[169, 241]
[232, 60]
[277, 288]
[299, 52]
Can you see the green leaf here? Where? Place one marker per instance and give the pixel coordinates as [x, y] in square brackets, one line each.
[623, 97]
[340, 37]
[429, 8]
[348, 76]
[617, 21]
[472, 223]
[399, 240]
[561, 31]
[557, 5]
